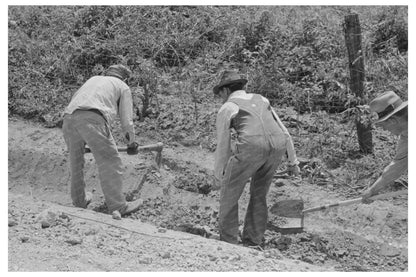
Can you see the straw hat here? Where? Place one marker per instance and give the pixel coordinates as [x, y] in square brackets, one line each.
[386, 105]
[229, 77]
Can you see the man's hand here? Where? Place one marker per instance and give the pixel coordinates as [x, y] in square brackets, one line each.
[293, 170]
[132, 148]
[366, 196]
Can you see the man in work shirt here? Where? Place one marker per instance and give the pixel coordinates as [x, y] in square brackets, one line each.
[392, 116]
[87, 120]
[261, 143]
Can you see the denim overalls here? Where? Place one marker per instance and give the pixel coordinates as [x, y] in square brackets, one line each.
[259, 148]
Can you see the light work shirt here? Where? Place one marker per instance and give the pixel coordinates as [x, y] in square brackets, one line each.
[111, 96]
[397, 166]
[223, 124]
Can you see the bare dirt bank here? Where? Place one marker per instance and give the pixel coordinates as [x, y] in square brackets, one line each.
[179, 200]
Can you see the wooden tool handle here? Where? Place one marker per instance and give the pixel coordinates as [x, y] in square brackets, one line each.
[356, 200]
[151, 147]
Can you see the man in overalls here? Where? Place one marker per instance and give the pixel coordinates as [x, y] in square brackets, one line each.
[87, 120]
[261, 143]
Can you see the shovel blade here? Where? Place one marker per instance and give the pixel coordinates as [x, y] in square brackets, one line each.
[291, 208]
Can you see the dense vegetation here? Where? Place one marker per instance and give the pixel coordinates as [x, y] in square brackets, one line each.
[294, 55]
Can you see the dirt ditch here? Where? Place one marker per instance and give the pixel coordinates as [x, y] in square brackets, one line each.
[180, 196]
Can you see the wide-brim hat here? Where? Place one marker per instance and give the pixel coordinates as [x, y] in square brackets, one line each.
[118, 70]
[229, 77]
[386, 105]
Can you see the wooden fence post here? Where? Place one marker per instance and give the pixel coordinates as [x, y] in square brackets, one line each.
[357, 75]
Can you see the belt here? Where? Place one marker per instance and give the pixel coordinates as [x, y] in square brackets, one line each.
[96, 111]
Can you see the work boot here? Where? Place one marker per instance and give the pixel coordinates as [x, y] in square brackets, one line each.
[87, 201]
[249, 243]
[131, 207]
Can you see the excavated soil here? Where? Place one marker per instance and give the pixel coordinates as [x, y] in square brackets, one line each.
[179, 202]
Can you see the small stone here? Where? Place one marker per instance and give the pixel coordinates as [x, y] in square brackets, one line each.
[24, 239]
[116, 215]
[45, 224]
[283, 243]
[219, 248]
[162, 230]
[237, 258]
[307, 259]
[343, 252]
[47, 218]
[145, 260]
[166, 255]
[276, 254]
[281, 182]
[74, 241]
[390, 263]
[305, 237]
[12, 222]
[91, 231]
[212, 258]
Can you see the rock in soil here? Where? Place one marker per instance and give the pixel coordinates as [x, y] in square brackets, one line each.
[12, 222]
[73, 240]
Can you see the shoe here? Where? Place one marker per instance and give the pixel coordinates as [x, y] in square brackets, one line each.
[249, 243]
[131, 207]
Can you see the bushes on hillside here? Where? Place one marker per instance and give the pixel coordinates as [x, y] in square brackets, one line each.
[295, 55]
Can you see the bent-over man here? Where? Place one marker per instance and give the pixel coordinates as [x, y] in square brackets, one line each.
[260, 144]
[87, 120]
[392, 116]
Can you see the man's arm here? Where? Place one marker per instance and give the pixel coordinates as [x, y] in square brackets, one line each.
[223, 150]
[126, 114]
[391, 172]
[290, 148]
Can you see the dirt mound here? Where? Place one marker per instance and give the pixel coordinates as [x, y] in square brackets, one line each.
[179, 197]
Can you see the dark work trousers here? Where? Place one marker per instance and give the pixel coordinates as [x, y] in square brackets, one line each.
[86, 127]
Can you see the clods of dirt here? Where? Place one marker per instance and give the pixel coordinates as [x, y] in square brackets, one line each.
[180, 196]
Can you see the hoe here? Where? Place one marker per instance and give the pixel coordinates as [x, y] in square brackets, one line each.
[294, 208]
